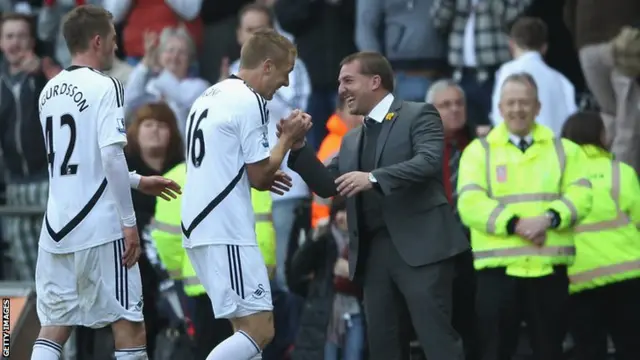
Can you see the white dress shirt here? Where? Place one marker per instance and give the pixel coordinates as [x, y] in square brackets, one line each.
[469, 44]
[381, 109]
[556, 94]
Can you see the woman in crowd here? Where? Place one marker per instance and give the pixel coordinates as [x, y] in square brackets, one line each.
[154, 146]
[331, 324]
[605, 277]
[163, 74]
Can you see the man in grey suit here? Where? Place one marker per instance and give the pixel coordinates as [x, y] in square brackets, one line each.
[403, 234]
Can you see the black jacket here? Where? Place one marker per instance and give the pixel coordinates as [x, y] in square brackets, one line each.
[324, 35]
[21, 137]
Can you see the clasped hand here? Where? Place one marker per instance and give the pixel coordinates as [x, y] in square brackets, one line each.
[534, 229]
[294, 128]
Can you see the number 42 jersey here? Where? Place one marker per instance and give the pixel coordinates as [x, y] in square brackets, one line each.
[226, 129]
[81, 111]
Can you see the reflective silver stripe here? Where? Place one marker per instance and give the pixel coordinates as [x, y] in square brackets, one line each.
[526, 251]
[264, 217]
[487, 164]
[163, 226]
[518, 198]
[175, 274]
[471, 187]
[572, 210]
[621, 218]
[604, 271]
[562, 158]
[493, 219]
[321, 201]
[191, 280]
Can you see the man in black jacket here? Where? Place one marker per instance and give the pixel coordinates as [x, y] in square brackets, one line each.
[21, 81]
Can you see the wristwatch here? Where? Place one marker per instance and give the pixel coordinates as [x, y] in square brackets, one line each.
[553, 218]
[372, 179]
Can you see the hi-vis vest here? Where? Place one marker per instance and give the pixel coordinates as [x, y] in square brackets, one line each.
[497, 181]
[608, 239]
[167, 234]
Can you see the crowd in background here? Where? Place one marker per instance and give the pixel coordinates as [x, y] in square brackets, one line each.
[454, 54]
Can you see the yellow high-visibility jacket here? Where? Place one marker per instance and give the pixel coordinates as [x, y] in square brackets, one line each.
[167, 234]
[608, 239]
[497, 181]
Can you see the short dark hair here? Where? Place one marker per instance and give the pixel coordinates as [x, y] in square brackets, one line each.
[18, 17]
[258, 8]
[529, 33]
[373, 64]
[584, 128]
[82, 24]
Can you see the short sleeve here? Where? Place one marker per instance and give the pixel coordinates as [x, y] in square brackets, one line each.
[253, 132]
[111, 126]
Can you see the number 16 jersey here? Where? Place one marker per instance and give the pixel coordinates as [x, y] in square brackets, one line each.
[226, 129]
[81, 111]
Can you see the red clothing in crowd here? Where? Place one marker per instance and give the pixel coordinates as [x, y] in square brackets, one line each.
[461, 140]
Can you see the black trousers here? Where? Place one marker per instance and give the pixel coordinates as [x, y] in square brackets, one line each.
[611, 310]
[209, 332]
[464, 294]
[503, 302]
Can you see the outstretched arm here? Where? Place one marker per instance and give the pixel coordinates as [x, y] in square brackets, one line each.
[319, 178]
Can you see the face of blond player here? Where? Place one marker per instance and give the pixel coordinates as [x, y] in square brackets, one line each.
[275, 75]
[519, 107]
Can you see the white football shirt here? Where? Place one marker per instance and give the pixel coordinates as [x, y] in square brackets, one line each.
[81, 111]
[226, 129]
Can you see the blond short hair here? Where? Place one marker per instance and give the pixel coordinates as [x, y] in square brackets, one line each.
[266, 44]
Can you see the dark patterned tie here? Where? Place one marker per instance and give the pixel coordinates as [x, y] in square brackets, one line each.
[523, 145]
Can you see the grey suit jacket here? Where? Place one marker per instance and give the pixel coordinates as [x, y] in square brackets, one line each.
[409, 171]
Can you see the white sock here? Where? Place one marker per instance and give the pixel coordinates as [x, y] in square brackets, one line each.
[136, 353]
[240, 346]
[44, 349]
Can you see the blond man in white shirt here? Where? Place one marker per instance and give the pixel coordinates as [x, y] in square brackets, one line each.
[528, 45]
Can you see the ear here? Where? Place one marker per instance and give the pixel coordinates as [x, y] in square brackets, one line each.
[268, 66]
[376, 82]
[543, 49]
[97, 40]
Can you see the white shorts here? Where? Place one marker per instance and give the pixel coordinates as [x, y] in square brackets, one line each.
[235, 278]
[88, 288]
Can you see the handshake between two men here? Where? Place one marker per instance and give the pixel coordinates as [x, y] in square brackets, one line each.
[292, 132]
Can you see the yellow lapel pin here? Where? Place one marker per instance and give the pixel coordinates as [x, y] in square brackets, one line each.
[390, 116]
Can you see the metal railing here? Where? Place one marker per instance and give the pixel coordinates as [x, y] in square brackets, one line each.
[21, 210]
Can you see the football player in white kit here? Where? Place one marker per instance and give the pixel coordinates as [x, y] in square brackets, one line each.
[87, 272]
[227, 153]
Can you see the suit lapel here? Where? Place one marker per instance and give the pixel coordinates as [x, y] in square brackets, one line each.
[387, 124]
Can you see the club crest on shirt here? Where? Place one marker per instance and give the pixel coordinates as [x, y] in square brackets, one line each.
[265, 140]
[120, 126]
[501, 173]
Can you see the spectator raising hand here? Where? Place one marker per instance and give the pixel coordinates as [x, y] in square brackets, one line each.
[163, 74]
[150, 58]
